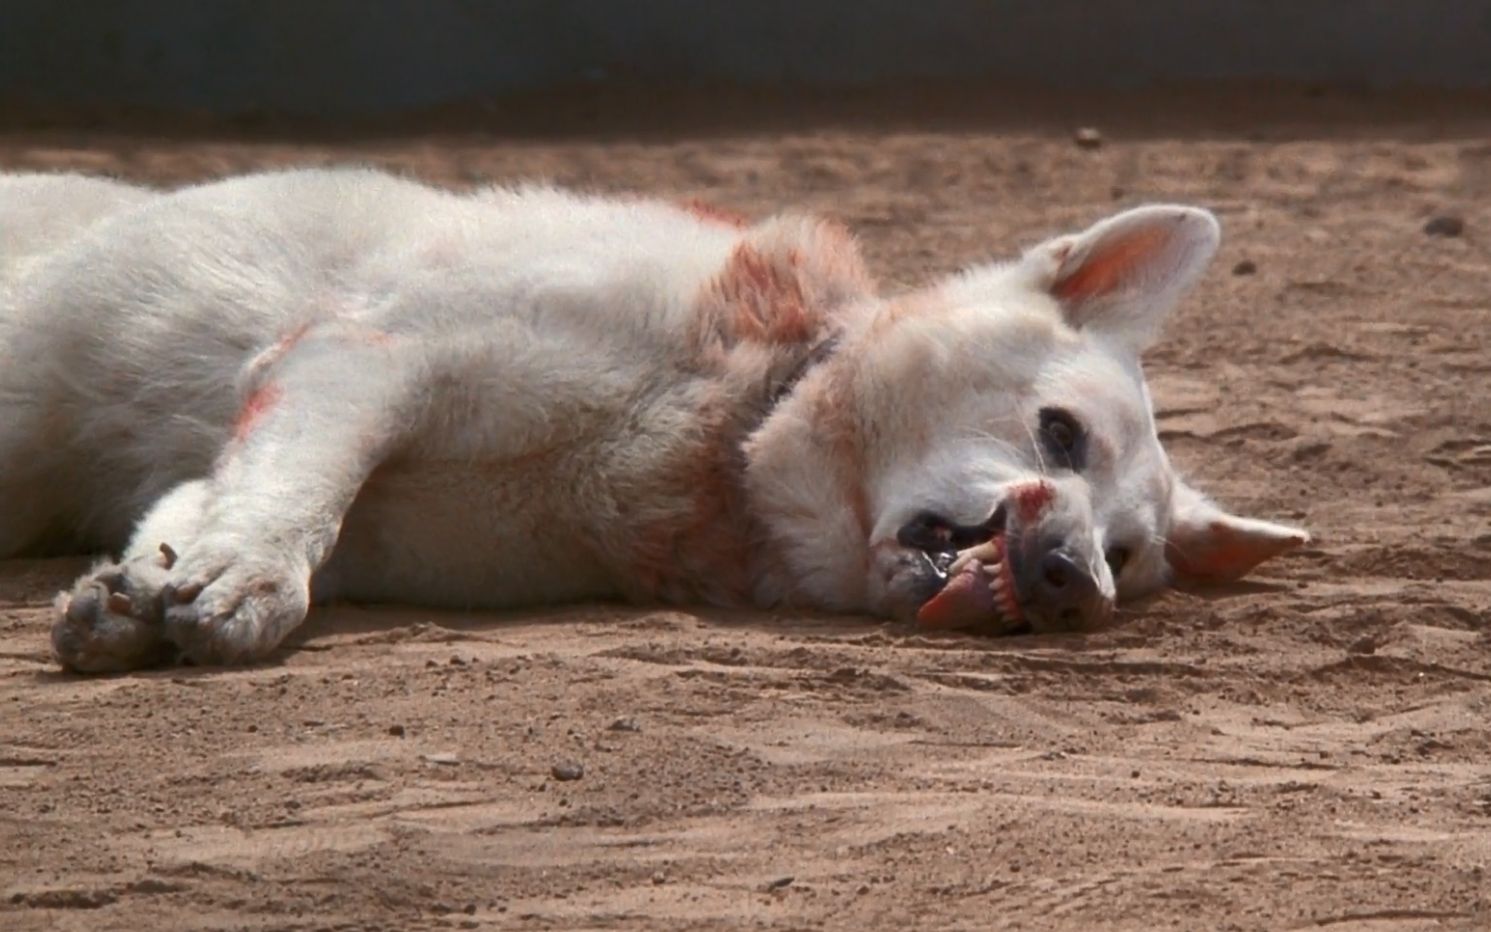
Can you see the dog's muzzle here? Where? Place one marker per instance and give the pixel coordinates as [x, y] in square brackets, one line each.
[1011, 579]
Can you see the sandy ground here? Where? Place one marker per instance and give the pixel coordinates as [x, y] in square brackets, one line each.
[1308, 750]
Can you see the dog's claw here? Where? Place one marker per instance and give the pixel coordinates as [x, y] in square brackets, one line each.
[184, 594]
[169, 554]
[110, 621]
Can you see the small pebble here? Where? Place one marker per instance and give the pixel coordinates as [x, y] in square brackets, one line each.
[396, 730]
[659, 879]
[1245, 267]
[1445, 225]
[567, 771]
[1088, 137]
[624, 724]
[781, 883]
[1363, 645]
[443, 758]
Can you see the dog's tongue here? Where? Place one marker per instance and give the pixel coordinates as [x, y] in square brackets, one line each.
[965, 601]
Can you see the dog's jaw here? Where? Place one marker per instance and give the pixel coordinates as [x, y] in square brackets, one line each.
[981, 591]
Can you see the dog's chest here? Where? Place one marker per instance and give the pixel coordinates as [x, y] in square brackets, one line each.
[458, 535]
[637, 501]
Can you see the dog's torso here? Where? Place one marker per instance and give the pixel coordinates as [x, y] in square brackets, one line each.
[588, 369]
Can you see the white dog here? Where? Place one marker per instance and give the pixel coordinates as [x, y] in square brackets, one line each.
[321, 385]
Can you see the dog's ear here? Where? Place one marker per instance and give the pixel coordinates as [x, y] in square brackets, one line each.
[1124, 274]
[1208, 545]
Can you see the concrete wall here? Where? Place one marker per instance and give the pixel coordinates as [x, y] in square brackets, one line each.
[340, 57]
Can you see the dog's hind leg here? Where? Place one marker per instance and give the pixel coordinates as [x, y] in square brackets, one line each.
[30, 449]
[40, 214]
[32, 487]
[25, 513]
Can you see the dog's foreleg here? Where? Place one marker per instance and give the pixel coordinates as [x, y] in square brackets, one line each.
[317, 420]
[322, 411]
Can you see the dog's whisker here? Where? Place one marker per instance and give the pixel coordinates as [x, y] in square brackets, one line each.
[1040, 459]
[1014, 449]
[1165, 544]
[1003, 444]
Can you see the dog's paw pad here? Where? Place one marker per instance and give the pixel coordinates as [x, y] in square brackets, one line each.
[235, 613]
[108, 623]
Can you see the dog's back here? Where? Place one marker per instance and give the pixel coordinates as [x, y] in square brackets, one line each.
[44, 212]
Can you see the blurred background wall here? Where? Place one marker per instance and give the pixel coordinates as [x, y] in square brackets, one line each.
[365, 57]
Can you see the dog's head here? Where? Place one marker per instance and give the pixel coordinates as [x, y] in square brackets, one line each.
[998, 441]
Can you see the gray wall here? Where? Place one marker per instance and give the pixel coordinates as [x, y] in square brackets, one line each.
[342, 57]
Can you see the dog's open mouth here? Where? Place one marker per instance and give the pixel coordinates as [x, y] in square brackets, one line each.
[979, 593]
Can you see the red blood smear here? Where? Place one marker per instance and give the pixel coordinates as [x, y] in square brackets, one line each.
[1032, 499]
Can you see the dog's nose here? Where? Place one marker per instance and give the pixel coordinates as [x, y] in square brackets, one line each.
[1064, 594]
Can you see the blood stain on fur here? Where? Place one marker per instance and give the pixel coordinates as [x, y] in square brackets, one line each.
[765, 301]
[713, 213]
[1031, 500]
[258, 404]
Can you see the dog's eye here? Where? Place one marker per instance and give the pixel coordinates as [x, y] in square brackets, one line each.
[1118, 558]
[1063, 438]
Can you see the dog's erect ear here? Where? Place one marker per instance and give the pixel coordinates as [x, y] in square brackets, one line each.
[1208, 545]
[1122, 275]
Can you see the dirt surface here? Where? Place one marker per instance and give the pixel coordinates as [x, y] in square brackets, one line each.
[1309, 750]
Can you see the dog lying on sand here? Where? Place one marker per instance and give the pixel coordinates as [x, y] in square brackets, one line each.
[323, 385]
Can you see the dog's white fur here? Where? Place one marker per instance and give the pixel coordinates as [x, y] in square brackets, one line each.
[346, 384]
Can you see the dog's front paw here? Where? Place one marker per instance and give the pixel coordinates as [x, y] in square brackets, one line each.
[224, 606]
[111, 620]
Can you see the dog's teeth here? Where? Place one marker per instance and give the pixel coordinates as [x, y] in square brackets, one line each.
[988, 550]
[120, 604]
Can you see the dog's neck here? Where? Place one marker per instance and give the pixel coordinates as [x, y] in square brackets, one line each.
[819, 353]
[767, 332]
[804, 488]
